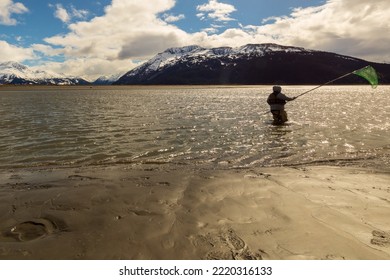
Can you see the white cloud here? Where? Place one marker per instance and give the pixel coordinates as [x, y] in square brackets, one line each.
[89, 68]
[129, 30]
[173, 18]
[216, 11]
[352, 27]
[66, 16]
[201, 16]
[133, 30]
[46, 50]
[7, 8]
[14, 53]
[61, 13]
[79, 14]
[210, 30]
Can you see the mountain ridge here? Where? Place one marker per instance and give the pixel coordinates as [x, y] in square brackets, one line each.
[193, 64]
[248, 64]
[12, 72]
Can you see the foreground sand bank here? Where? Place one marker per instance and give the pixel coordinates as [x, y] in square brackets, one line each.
[154, 212]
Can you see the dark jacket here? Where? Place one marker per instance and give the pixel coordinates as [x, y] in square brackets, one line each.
[277, 100]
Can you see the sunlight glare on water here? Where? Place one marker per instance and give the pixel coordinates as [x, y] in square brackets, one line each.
[219, 127]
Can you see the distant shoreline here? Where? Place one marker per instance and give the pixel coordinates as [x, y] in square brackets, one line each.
[120, 87]
[87, 87]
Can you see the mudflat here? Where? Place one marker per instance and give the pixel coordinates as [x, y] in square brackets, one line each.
[150, 211]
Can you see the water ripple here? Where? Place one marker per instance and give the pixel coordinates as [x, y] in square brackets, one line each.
[206, 126]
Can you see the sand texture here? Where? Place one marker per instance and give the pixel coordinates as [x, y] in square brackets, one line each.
[157, 212]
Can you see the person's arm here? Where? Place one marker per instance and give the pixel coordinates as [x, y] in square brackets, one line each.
[284, 97]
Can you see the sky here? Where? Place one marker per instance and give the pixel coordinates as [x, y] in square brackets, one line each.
[91, 38]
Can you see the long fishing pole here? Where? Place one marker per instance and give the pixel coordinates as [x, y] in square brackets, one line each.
[327, 83]
[367, 72]
[315, 89]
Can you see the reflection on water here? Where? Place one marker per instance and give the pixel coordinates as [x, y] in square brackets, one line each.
[215, 127]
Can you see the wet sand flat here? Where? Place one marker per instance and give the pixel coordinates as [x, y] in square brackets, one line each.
[173, 212]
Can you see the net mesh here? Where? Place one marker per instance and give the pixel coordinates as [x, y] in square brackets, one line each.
[369, 74]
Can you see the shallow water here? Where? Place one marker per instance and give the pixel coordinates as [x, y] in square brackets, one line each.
[210, 127]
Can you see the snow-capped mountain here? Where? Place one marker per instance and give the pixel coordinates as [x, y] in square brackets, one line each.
[248, 64]
[15, 73]
[107, 80]
[196, 54]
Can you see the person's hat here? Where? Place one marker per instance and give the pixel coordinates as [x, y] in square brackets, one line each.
[277, 88]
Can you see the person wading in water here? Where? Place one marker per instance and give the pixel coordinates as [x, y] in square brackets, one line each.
[277, 100]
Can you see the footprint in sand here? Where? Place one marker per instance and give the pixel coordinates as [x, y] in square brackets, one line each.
[81, 178]
[219, 255]
[32, 230]
[139, 212]
[228, 246]
[233, 240]
[238, 247]
[381, 238]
